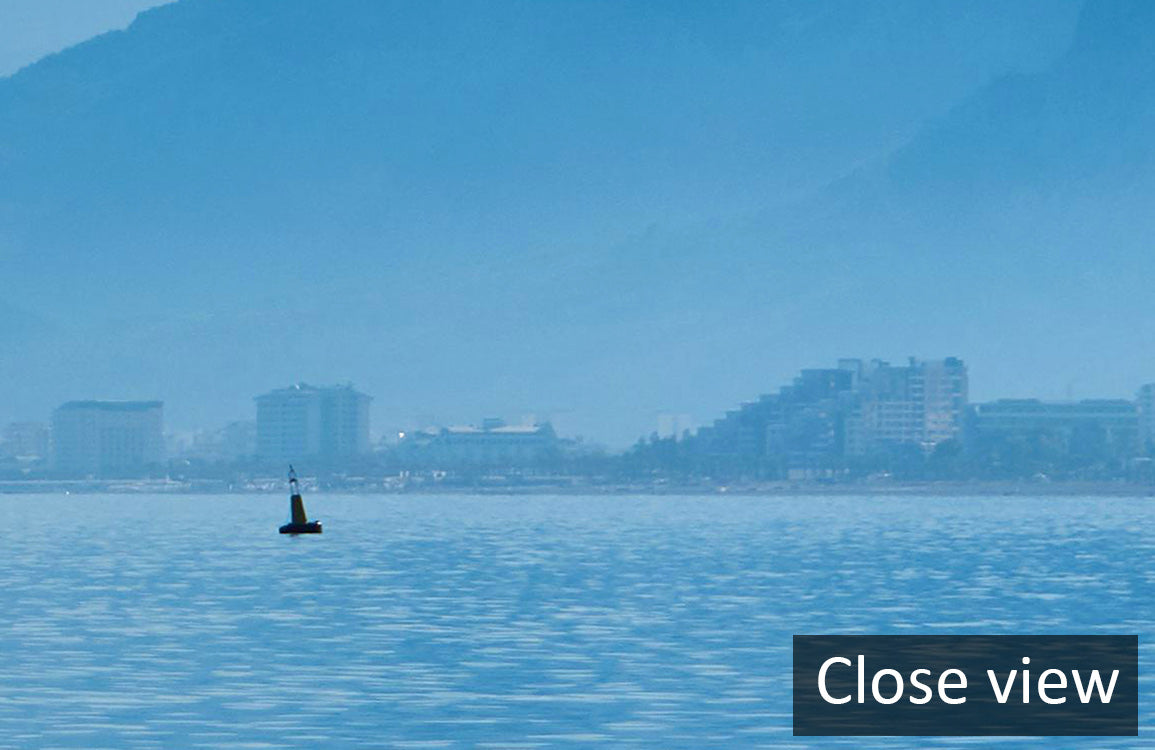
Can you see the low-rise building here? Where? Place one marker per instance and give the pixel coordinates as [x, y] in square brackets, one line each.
[493, 445]
[1066, 435]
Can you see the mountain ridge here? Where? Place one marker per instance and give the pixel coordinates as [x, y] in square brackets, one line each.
[470, 183]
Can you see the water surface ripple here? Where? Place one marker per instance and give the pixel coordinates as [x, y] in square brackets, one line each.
[517, 622]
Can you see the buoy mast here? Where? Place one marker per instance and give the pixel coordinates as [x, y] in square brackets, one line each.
[296, 504]
[299, 522]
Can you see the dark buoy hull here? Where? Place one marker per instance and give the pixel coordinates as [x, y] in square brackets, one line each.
[311, 527]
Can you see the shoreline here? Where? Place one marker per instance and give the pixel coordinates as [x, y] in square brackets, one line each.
[767, 489]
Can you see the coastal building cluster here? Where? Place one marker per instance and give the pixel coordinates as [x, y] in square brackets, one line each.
[858, 419]
[915, 419]
[853, 410]
[327, 427]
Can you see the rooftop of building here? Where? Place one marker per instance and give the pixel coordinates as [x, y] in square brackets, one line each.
[1041, 402]
[306, 388]
[1037, 406]
[111, 406]
[543, 428]
[530, 429]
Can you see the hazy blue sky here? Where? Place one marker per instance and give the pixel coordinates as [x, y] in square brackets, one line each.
[31, 29]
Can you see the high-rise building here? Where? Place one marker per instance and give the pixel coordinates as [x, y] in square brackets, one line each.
[114, 438]
[799, 428]
[304, 421]
[855, 410]
[289, 423]
[920, 404]
[344, 422]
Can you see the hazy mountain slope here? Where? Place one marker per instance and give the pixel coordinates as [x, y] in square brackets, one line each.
[431, 198]
[1041, 181]
[1083, 123]
[1015, 230]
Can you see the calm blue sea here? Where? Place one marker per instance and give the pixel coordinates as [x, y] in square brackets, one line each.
[517, 622]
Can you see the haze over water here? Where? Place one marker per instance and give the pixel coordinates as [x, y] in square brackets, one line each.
[429, 622]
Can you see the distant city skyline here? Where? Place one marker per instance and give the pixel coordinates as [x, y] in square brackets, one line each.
[855, 409]
[674, 419]
[823, 423]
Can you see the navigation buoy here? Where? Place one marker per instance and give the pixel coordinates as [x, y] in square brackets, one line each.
[299, 523]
